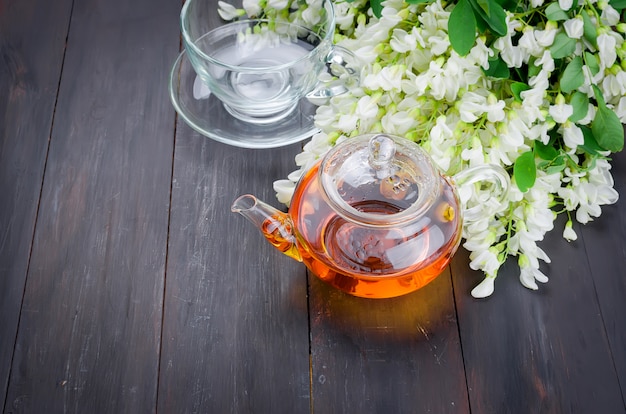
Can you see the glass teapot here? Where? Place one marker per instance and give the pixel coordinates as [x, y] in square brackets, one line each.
[374, 217]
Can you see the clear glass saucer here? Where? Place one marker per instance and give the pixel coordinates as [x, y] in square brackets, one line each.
[206, 114]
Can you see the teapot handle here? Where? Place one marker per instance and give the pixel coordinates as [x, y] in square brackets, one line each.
[491, 173]
[343, 65]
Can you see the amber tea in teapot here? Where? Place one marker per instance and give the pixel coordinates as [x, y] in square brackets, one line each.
[373, 218]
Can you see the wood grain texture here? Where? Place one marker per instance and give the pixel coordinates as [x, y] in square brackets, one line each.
[605, 244]
[128, 286]
[30, 67]
[235, 333]
[542, 351]
[399, 355]
[89, 332]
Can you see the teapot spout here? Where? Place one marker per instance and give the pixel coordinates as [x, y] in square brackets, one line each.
[275, 225]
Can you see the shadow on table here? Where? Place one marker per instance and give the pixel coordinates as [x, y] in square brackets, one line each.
[415, 316]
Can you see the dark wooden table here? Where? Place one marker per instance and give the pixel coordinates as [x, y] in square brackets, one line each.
[127, 286]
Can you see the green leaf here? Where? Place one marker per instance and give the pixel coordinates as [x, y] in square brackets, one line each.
[590, 32]
[377, 7]
[618, 4]
[608, 130]
[416, 1]
[557, 165]
[462, 27]
[580, 103]
[484, 4]
[592, 63]
[562, 46]
[497, 68]
[545, 152]
[517, 88]
[590, 145]
[496, 20]
[598, 95]
[525, 171]
[572, 77]
[555, 13]
[606, 126]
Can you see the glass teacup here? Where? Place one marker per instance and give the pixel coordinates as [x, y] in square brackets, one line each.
[261, 68]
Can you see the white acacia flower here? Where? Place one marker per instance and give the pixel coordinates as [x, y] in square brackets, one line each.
[609, 16]
[565, 4]
[252, 7]
[568, 232]
[512, 55]
[398, 123]
[347, 123]
[367, 108]
[388, 78]
[601, 178]
[480, 53]
[528, 43]
[574, 27]
[486, 260]
[438, 43]
[572, 135]
[281, 4]
[546, 62]
[284, 190]
[606, 50]
[529, 274]
[414, 84]
[484, 288]
[478, 239]
[561, 112]
[614, 86]
[471, 106]
[588, 208]
[402, 42]
[344, 17]
[494, 109]
[227, 11]
[545, 37]
[586, 193]
[475, 154]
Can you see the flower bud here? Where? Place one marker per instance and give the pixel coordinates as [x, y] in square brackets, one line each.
[560, 99]
[568, 233]
[615, 69]
[523, 261]
[333, 136]
[412, 136]
[551, 25]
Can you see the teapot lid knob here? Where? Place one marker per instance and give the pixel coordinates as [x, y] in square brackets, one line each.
[382, 150]
[362, 176]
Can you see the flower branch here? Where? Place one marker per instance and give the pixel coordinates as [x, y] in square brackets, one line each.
[538, 87]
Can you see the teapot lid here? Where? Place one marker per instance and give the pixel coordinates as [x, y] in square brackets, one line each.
[379, 180]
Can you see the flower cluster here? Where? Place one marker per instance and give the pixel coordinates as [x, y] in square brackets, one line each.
[541, 93]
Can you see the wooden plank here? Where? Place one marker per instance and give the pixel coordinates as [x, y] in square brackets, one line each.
[399, 355]
[235, 335]
[537, 351]
[605, 244]
[89, 333]
[30, 67]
